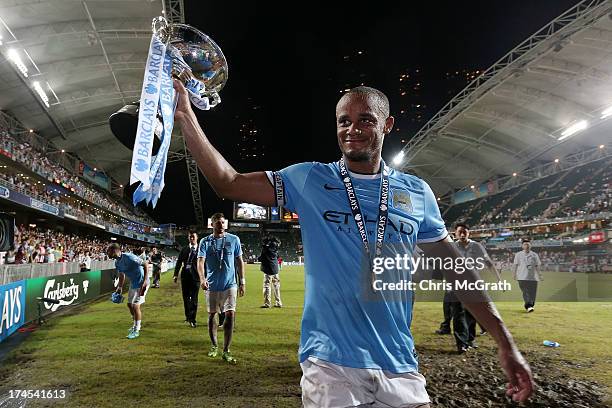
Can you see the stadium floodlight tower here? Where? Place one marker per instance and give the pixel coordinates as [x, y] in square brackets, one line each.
[173, 10]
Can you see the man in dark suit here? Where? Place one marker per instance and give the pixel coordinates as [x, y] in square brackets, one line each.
[190, 280]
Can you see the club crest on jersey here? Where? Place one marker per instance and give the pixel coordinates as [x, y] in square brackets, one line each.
[401, 201]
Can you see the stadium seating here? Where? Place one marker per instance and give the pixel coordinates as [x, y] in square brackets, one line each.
[37, 245]
[50, 171]
[558, 260]
[538, 206]
[580, 190]
[487, 207]
[83, 210]
[251, 244]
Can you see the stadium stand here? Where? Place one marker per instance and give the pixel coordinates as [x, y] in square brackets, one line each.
[24, 154]
[557, 260]
[558, 213]
[581, 190]
[290, 249]
[41, 245]
[86, 211]
[251, 244]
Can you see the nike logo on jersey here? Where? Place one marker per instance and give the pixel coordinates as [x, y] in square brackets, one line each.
[328, 187]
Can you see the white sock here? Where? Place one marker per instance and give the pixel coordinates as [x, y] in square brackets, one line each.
[137, 325]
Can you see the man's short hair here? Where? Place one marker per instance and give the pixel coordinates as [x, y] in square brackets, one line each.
[112, 247]
[216, 216]
[382, 102]
[526, 240]
[462, 224]
[192, 233]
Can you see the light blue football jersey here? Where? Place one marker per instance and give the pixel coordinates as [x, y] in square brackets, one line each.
[343, 323]
[220, 275]
[132, 266]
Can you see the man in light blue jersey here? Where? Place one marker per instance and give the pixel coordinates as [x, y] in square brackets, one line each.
[356, 347]
[136, 269]
[219, 261]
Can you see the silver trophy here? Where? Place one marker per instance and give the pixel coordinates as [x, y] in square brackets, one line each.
[196, 60]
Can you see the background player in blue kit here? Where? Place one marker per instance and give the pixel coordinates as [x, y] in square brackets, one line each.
[354, 351]
[136, 269]
[219, 261]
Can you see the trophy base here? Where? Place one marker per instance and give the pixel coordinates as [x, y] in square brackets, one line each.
[124, 125]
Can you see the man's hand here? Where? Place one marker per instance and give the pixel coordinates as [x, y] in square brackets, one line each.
[183, 106]
[204, 284]
[175, 279]
[480, 306]
[521, 385]
[142, 289]
[241, 290]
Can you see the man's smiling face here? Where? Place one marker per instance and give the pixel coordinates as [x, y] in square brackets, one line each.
[361, 127]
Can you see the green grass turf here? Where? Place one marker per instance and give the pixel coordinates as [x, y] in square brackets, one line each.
[87, 353]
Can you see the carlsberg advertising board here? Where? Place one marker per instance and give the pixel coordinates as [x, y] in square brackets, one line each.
[68, 289]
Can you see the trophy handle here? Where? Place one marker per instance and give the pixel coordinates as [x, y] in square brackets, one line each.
[161, 28]
[214, 99]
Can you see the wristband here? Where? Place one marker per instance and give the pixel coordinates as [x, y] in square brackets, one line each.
[243, 281]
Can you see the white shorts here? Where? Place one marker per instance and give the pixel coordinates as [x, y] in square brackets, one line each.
[134, 297]
[329, 385]
[219, 302]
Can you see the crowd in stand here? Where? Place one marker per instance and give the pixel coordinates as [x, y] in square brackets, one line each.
[556, 260]
[35, 189]
[47, 246]
[600, 202]
[28, 186]
[45, 193]
[39, 163]
[35, 245]
[597, 204]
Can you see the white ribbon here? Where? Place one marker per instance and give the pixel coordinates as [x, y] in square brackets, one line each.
[147, 115]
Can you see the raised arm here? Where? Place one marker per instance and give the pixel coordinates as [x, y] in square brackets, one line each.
[521, 384]
[227, 182]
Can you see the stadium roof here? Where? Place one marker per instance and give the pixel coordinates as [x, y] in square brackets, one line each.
[88, 57]
[516, 114]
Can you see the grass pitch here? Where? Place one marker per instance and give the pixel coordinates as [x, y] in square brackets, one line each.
[86, 353]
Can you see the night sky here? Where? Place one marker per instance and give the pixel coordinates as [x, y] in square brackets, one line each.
[288, 62]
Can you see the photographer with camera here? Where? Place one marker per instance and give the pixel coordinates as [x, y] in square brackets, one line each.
[270, 268]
